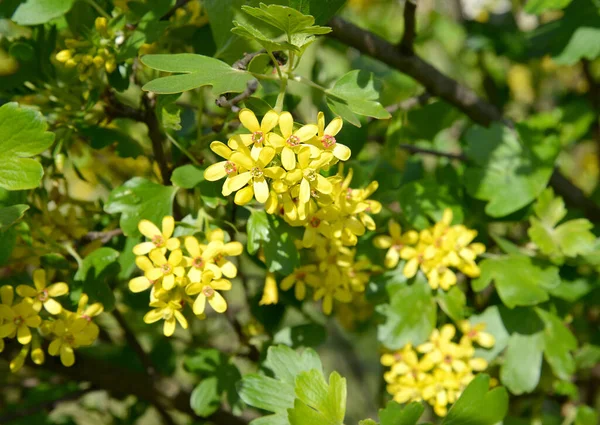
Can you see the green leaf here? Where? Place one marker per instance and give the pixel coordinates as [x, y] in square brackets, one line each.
[139, 199]
[572, 291]
[321, 10]
[22, 135]
[266, 393]
[582, 45]
[194, 71]
[265, 38]
[495, 326]
[287, 363]
[477, 405]
[205, 399]
[519, 280]
[288, 20]
[426, 200]
[97, 271]
[35, 12]
[558, 342]
[277, 239]
[586, 416]
[187, 176]
[101, 137]
[395, 414]
[307, 335]
[509, 168]
[410, 315]
[356, 93]
[10, 215]
[588, 356]
[452, 302]
[522, 365]
[537, 7]
[318, 402]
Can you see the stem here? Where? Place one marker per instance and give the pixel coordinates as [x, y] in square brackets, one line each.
[310, 83]
[276, 64]
[281, 95]
[98, 8]
[69, 248]
[182, 149]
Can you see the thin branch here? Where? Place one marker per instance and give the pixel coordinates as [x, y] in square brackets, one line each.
[440, 85]
[243, 63]
[171, 12]
[406, 44]
[409, 103]
[104, 236]
[156, 137]
[251, 88]
[416, 149]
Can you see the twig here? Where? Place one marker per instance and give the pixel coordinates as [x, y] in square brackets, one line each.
[104, 236]
[406, 44]
[171, 12]
[440, 85]
[50, 404]
[156, 137]
[416, 149]
[409, 103]
[243, 63]
[251, 88]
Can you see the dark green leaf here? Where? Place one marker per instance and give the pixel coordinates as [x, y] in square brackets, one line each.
[205, 399]
[139, 199]
[395, 414]
[10, 215]
[307, 335]
[187, 176]
[96, 273]
[582, 45]
[558, 342]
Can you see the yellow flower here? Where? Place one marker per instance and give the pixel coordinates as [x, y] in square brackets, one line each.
[160, 240]
[64, 55]
[270, 293]
[71, 333]
[229, 249]
[291, 141]
[203, 258]
[476, 333]
[222, 169]
[326, 141]
[42, 294]
[207, 290]
[259, 133]
[299, 279]
[254, 181]
[141, 283]
[101, 24]
[170, 312]
[86, 311]
[17, 363]
[395, 243]
[18, 319]
[165, 269]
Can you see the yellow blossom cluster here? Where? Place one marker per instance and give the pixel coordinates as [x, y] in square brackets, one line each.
[438, 370]
[89, 56]
[435, 251]
[176, 279]
[332, 272]
[37, 308]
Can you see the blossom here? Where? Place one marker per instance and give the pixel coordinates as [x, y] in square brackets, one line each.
[291, 141]
[207, 290]
[71, 333]
[159, 239]
[168, 310]
[85, 310]
[270, 293]
[43, 294]
[395, 243]
[165, 269]
[299, 279]
[222, 169]
[259, 133]
[18, 319]
[202, 258]
[326, 140]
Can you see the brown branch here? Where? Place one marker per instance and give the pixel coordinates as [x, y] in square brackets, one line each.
[406, 44]
[157, 138]
[251, 88]
[104, 236]
[440, 85]
[410, 103]
[243, 63]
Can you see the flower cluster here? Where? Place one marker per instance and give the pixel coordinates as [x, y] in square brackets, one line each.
[435, 251]
[37, 308]
[438, 370]
[89, 56]
[176, 279]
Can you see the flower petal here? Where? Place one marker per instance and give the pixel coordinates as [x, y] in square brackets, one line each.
[199, 304]
[306, 132]
[168, 225]
[243, 196]
[23, 335]
[269, 121]
[169, 326]
[220, 149]
[215, 171]
[67, 356]
[341, 152]
[288, 158]
[334, 127]
[139, 284]
[248, 120]
[26, 291]
[286, 124]
[239, 181]
[218, 303]
[52, 306]
[148, 229]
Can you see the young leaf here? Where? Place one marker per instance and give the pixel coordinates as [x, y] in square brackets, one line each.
[410, 315]
[36, 12]
[558, 343]
[395, 414]
[95, 272]
[478, 405]
[22, 135]
[287, 19]
[9, 215]
[356, 93]
[318, 402]
[537, 7]
[137, 199]
[522, 365]
[519, 281]
[205, 399]
[287, 363]
[509, 168]
[194, 71]
[582, 45]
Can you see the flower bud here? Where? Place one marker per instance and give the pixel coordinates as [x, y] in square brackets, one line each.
[63, 56]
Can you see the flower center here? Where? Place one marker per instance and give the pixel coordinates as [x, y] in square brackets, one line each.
[258, 138]
[43, 295]
[167, 314]
[230, 167]
[18, 321]
[69, 339]
[86, 317]
[315, 222]
[208, 291]
[256, 172]
[311, 175]
[166, 268]
[158, 241]
[328, 141]
[398, 357]
[472, 334]
[198, 262]
[293, 140]
[448, 359]
[398, 247]
[300, 275]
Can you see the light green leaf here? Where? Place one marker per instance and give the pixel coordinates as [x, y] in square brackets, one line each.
[35, 12]
[478, 405]
[537, 7]
[588, 356]
[268, 41]
[396, 414]
[187, 176]
[139, 199]
[9, 215]
[452, 302]
[522, 365]
[410, 315]
[582, 45]
[519, 281]
[287, 363]
[559, 342]
[287, 19]
[266, 393]
[22, 135]
[493, 325]
[510, 168]
[356, 93]
[96, 273]
[426, 200]
[205, 399]
[572, 291]
[318, 402]
[586, 416]
[194, 71]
